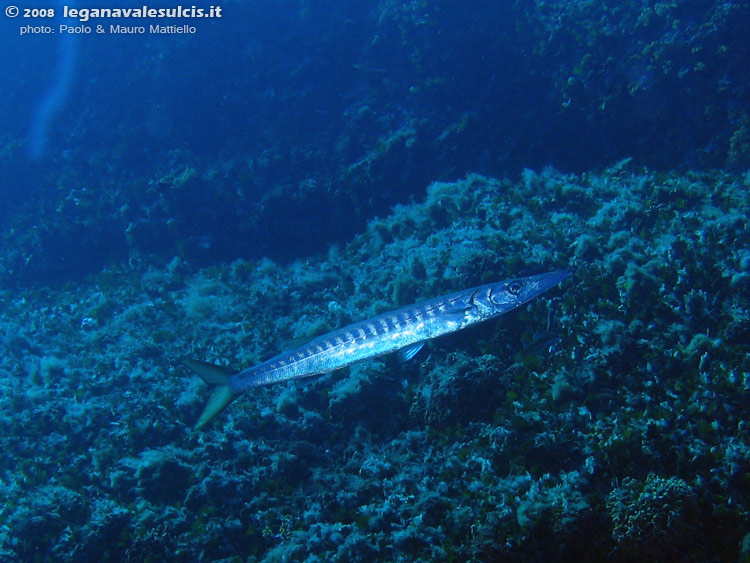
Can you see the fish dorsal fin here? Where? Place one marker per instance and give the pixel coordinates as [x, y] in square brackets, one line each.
[408, 352]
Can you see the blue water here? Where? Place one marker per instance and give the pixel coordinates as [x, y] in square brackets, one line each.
[291, 167]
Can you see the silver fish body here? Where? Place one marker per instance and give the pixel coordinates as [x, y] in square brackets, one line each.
[405, 329]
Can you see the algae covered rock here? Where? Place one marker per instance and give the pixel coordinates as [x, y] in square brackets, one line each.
[657, 518]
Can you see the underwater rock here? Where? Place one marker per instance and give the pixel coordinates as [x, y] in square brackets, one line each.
[467, 391]
[657, 518]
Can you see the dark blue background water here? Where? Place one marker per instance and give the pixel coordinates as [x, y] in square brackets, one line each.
[304, 119]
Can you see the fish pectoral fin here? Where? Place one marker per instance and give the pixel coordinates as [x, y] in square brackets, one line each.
[408, 352]
[222, 394]
[456, 308]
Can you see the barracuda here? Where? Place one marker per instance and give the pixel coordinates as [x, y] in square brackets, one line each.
[405, 330]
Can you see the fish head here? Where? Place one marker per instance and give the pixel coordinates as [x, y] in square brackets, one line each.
[506, 295]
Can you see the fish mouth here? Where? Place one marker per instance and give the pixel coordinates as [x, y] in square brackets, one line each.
[543, 282]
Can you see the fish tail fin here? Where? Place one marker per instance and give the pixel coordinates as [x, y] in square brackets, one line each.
[222, 394]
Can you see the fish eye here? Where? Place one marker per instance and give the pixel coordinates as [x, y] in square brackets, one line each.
[515, 287]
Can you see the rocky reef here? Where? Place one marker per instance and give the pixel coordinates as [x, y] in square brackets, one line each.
[606, 419]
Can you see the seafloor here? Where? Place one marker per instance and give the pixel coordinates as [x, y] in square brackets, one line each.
[605, 419]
